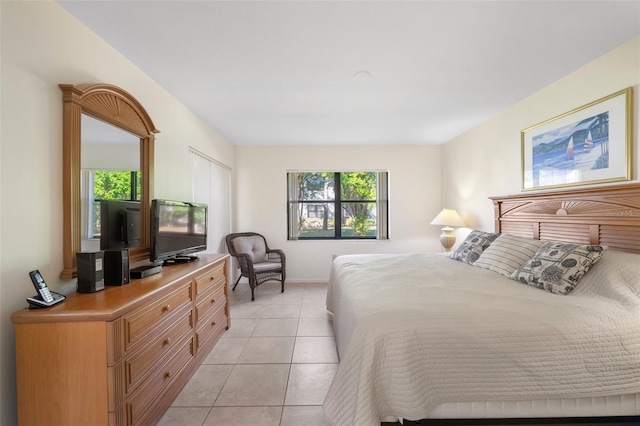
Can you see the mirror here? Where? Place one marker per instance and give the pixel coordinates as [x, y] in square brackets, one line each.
[116, 107]
[110, 170]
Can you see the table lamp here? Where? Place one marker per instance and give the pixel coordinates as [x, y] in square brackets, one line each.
[447, 218]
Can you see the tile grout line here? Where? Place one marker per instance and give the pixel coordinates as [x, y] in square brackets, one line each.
[311, 299]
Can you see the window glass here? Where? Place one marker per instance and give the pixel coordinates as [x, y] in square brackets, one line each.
[113, 185]
[360, 197]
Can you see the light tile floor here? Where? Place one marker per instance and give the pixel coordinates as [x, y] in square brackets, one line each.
[273, 367]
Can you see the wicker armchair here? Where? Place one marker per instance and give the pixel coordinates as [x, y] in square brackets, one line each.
[256, 260]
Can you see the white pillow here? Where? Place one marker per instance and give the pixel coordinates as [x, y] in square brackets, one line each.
[508, 253]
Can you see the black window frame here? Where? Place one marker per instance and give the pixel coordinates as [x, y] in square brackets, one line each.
[338, 203]
[133, 196]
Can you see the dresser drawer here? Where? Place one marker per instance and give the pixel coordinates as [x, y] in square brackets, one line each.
[144, 319]
[165, 342]
[214, 276]
[209, 301]
[211, 326]
[163, 376]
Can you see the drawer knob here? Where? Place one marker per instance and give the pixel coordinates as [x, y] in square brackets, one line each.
[167, 374]
[167, 341]
[213, 301]
[166, 308]
[210, 278]
[213, 323]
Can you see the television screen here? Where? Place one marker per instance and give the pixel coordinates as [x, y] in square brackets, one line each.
[119, 224]
[177, 230]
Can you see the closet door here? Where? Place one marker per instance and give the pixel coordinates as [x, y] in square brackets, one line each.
[212, 186]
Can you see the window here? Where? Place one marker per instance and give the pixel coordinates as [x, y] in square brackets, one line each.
[99, 185]
[113, 185]
[315, 211]
[337, 205]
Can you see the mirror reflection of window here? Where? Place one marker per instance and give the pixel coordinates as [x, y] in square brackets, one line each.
[110, 166]
[111, 185]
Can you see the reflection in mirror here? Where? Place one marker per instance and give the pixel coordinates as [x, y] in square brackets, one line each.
[110, 170]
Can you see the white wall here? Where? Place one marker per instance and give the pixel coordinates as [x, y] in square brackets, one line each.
[485, 161]
[414, 193]
[42, 46]
[109, 156]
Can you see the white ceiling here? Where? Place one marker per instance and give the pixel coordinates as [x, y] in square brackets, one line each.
[356, 72]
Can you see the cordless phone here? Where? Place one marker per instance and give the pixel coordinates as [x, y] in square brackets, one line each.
[45, 298]
[41, 286]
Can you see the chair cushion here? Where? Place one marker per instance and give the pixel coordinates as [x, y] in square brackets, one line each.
[252, 245]
[266, 266]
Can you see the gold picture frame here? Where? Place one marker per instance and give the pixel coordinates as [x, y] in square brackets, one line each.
[588, 145]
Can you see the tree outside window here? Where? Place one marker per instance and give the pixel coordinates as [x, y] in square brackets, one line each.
[358, 196]
[113, 185]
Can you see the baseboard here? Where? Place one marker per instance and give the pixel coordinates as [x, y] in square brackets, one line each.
[306, 280]
[617, 420]
[291, 280]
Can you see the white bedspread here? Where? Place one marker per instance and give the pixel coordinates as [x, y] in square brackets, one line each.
[417, 330]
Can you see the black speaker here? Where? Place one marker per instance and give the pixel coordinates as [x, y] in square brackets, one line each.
[90, 272]
[116, 267]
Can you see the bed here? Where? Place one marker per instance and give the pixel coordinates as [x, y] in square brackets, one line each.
[425, 336]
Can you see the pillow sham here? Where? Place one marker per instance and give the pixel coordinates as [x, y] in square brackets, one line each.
[508, 253]
[473, 246]
[557, 267]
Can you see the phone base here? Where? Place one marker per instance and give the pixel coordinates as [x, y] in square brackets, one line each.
[36, 302]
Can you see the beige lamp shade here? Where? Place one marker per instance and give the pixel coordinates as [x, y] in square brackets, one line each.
[448, 218]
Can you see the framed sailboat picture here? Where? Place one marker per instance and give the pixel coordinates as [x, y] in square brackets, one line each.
[588, 145]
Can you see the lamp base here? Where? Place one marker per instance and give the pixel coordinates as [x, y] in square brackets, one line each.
[447, 238]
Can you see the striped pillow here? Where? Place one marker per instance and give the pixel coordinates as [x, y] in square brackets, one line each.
[508, 253]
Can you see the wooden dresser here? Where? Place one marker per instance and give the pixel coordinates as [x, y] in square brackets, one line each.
[120, 356]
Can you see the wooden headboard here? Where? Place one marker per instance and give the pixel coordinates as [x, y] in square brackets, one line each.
[607, 215]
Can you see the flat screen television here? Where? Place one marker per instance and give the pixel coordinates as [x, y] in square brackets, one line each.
[119, 224]
[178, 229]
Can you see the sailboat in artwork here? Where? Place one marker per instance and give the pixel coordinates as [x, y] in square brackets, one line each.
[569, 155]
[588, 142]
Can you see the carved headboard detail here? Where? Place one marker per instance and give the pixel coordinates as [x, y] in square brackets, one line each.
[607, 215]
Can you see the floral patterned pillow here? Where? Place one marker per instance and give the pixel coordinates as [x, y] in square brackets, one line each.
[473, 246]
[557, 267]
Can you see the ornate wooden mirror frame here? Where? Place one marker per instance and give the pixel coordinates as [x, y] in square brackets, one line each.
[114, 106]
